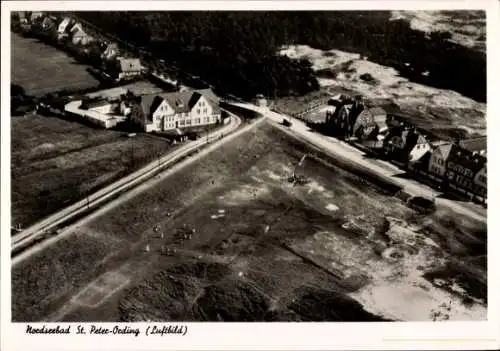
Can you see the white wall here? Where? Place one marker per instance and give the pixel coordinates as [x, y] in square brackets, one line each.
[419, 150]
[437, 165]
[105, 109]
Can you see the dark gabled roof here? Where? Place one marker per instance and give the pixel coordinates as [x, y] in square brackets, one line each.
[445, 149]
[180, 102]
[209, 94]
[466, 158]
[395, 131]
[157, 100]
[474, 144]
[149, 103]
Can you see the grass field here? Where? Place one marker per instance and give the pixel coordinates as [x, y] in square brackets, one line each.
[40, 68]
[261, 249]
[56, 162]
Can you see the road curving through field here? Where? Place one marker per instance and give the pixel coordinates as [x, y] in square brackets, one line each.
[37, 231]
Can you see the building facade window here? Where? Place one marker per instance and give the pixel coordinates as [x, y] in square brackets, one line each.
[197, 121]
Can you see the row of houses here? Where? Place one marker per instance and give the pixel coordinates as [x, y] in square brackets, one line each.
[458, 166]
[69, 33]
[164, 112]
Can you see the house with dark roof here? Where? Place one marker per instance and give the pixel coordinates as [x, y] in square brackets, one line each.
[79, 36]
[420, 148]
[125, 68]
[176, 110]
[480, 186]
[368, 120]
[462, 167]
[477, 145]
[421, 164]
[405, 144]
[342, 120]
[110, 52]
[438, 159]
[64, 27]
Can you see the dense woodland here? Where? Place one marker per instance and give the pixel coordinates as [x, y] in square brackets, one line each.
[237, 51]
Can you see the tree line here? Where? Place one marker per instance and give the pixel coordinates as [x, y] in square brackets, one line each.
[237, 51]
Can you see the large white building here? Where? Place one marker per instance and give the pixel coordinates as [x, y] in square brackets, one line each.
[170, 111]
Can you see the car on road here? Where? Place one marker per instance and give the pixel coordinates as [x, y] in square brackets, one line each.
[287, 123]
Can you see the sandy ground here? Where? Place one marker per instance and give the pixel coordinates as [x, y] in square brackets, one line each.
[468, 28]
[440, 108]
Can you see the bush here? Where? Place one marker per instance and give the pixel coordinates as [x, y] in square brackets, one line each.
[367, 77]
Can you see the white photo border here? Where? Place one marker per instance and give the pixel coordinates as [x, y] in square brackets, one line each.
[269, 336]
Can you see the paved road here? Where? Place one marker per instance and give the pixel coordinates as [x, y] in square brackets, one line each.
[32, 233]
[352, 155]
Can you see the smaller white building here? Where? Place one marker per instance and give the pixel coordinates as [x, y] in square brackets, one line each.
[98, 113]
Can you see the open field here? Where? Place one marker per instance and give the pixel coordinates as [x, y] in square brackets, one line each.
[445, 113]
[56, 162]
[40, 68]
[336, 248]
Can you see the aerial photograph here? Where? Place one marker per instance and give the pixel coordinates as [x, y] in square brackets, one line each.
[241, 166]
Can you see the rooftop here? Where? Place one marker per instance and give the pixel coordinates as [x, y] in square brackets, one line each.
[180, 101]
[130, 64]
[474, 144]
[377, 111]
[466, 158]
